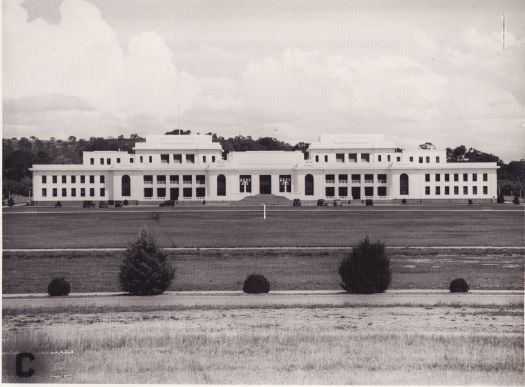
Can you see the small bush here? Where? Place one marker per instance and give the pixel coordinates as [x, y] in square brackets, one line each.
[366, 269]
[501, 199]
[125, 202]
[404, 201]
[516, 200]
[470, 202]
[459, 285]
[58, 287]
[58, 204]
[256, 283]
[10, 202]
[369, 202]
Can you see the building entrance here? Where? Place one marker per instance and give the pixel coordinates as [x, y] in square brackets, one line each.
[174, 194]
[265, 184]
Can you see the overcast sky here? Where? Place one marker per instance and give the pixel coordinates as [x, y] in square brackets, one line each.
[415, 71]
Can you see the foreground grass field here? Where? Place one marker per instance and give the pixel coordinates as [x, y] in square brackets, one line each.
[30, 272]
[435, 344]
[289, 227]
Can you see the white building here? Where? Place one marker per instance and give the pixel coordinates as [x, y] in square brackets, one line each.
[191, 167]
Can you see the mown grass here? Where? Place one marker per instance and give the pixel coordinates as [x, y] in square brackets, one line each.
[30, 272]
[189, 350]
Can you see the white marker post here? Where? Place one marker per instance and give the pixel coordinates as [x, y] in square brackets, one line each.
[264, 211]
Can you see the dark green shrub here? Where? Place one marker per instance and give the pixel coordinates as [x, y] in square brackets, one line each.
[366, 269]
[58, 287]
[516, 200]
[145, 271]
[501, 198]
[58, 204]
[125, 202]
[459, 285]
[470, 202]
[256, 283]
[404, 201]
[10, 202]
[369, 202]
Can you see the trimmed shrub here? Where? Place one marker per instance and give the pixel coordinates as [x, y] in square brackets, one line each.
[470, 202]
[125, 202]
[145, 271]
[501, 198]
[516, 200]
[404, 201]
[256, 283]
[58, 204]
[58, 287]
[10, 202]
[366, 269]
[459, 285]
[369, 202]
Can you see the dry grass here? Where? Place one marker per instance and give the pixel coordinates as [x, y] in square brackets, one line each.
[293, 346]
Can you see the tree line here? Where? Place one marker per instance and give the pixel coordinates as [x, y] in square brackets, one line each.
[19, 154]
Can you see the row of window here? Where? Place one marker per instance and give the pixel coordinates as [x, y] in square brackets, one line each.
[355, 192]
[187, 192]
[343, 178]
[437, 177]
[456, 190]
[164, 158]
[174, 179]
[365, 158]
[73, 192]
[73, 179]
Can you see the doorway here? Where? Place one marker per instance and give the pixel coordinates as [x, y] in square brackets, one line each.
[174, 194]
[265, 184]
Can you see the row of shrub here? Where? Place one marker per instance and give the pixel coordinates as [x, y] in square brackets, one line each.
[146, 272]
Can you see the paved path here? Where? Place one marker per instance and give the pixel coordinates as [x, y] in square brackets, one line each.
[273, 299]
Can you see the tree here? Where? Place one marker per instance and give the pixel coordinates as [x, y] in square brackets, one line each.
[72, 139]
[366, 269]
[145, 271]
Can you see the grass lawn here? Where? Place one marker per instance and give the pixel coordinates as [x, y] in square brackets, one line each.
[296, 345]
[30, 272]
[240, 229]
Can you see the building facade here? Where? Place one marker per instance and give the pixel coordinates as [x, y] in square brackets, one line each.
[192, 168]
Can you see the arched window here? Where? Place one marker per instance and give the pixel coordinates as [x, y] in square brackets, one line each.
[221, 185]
[126, 186]
[403, 184]
[309, 185]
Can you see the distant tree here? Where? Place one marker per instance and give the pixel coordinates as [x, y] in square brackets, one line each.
[72, 139]
[145, 271]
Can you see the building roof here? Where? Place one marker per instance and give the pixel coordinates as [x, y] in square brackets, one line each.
[351, 141]
[178, 142]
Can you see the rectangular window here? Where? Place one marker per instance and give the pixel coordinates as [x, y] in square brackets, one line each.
[369, 178]
[44, 179]
[161, 192]
[131, 160]
[102, 192]
[55, 179]
[411, 159]
[456, 190]
[44, 192]
[165, 159]
[200, 192]
[379, 158]
[92, 179]
[438, 177]
[150, 159]
[161, 179]
[102, 179]
[343, 178]
[174, 179]
[438, 190]
[187, 179]
[474, 177]
[92, 161]
[141, 159]
[330, 179]
[447, 190]
[381, 178]
[398, 159]
[447, 176]
[427, 159]
[177, 158]
[101, 161]
[148, 179]
[55, 192]
[369, 191]
[485, 190]
[474, 190]
[285, 183]
[352, 157]
[427, 176]
[73, 179]
[92, 192]
[356, 178]
[82, 192]
[465, 177]
[485, 177]
[365, 157]
[64, 179]
[316, 158]
[148, 192]
[381, 191]
[212, 159]
[388, 158]
[203, 159]
[330, 192]
[465, 190]
[343, 191]
[190, 158]
[245, 183]
[325, 158]
[437, 159]
[108, 161]
[420, 160]
[456, 177]
[73, 192]
[427, 190]
[118, 160]
[340, 157]
[200, 179]
[187, 192]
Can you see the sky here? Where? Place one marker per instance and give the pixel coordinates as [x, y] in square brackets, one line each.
[415, 71]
